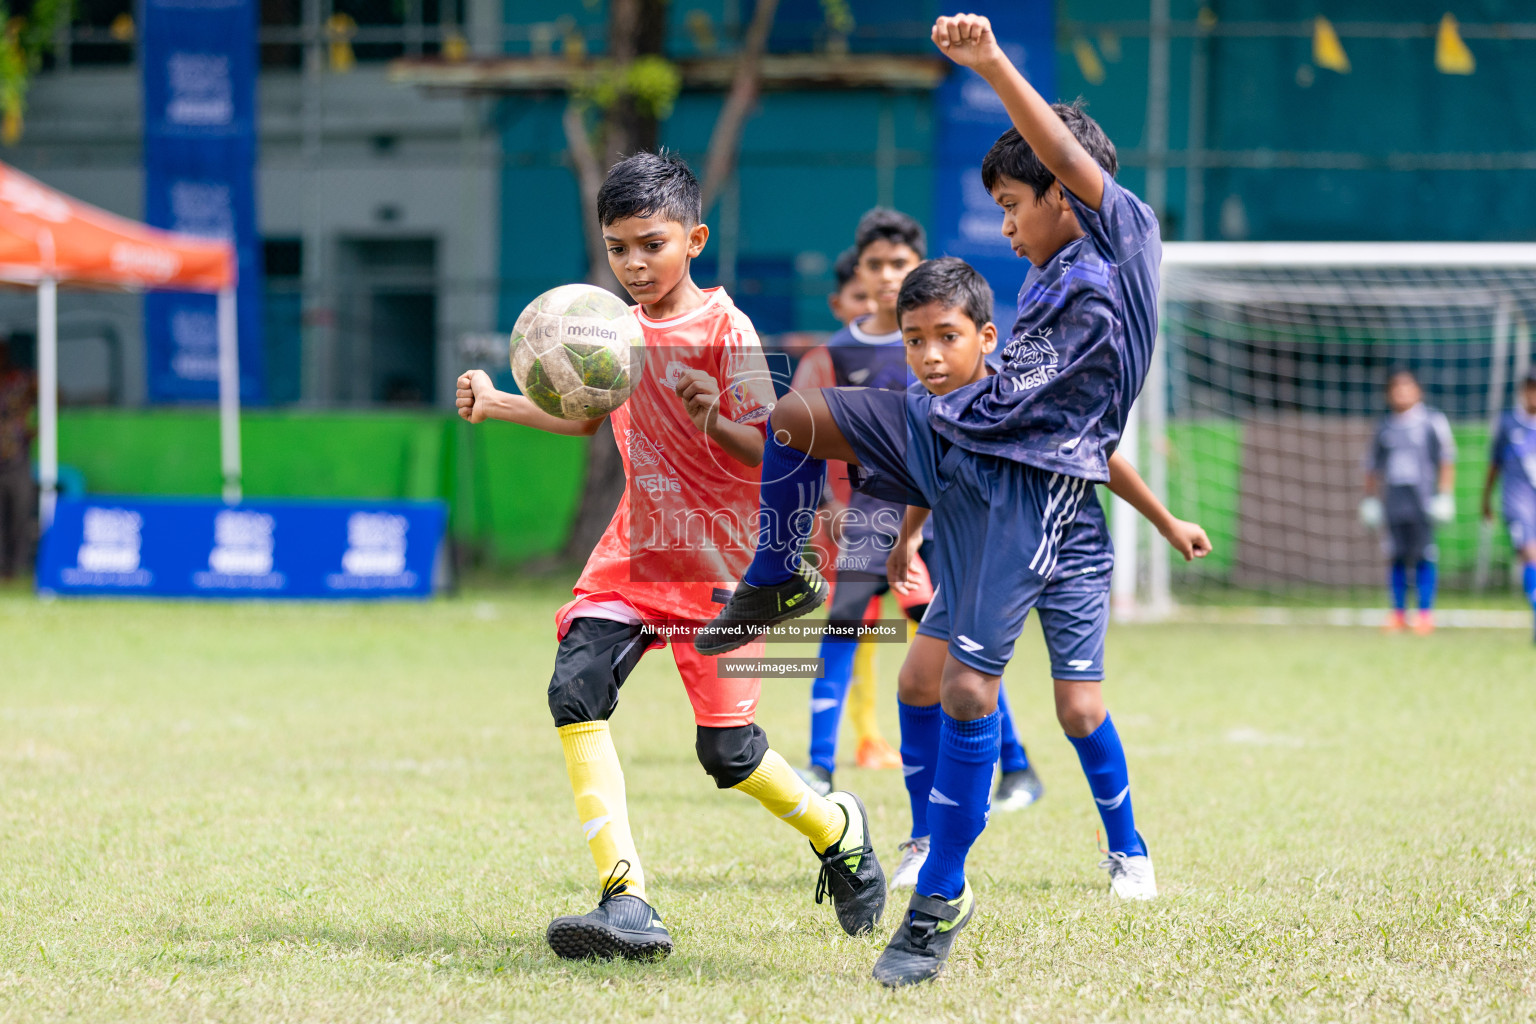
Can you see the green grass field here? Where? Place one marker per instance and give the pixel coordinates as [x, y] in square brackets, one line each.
[331, 813]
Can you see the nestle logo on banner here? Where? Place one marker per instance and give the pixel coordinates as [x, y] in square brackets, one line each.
[242, 554]
[375, 555]
[194, 345]
[111, 540]
[201, 92]
[109, 550]
[202, 208]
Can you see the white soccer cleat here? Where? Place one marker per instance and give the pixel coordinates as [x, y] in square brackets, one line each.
[1130, 878]
[914, 852]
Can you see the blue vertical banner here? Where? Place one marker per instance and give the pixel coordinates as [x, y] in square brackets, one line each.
[969, 118]
[199, 62]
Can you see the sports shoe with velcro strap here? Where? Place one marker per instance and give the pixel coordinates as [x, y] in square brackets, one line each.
[921, 945]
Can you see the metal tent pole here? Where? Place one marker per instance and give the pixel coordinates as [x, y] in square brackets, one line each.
[47, 399]
[229, 395]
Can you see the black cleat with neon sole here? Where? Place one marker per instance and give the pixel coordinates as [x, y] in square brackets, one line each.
[751, 610]
[850, 872]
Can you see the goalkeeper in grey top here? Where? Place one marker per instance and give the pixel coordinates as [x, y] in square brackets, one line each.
[1409, 474]
[1005, 463]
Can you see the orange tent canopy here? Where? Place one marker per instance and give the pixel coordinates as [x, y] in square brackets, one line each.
[46, 234]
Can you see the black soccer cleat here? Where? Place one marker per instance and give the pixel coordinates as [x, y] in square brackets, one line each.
[817, 777]
[850, 872]
[751, 610]
[1017, 790]
[621, 925]
[920, 948]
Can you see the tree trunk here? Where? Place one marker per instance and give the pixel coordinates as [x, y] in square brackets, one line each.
[635, 28]
[638, 28]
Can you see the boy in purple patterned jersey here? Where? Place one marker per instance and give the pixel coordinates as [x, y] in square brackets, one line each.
[1004, 463]
[1514, 458]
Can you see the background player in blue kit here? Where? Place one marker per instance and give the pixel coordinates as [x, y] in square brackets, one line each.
[1004, 463]
[1409, 473]
[946, 321]
[868, 352]
[1514, 458]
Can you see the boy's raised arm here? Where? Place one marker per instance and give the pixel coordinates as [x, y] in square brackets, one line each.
[967, 40]
[478, 400]
[1188, 539]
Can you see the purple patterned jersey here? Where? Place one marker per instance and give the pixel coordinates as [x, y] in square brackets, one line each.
[1078, 352]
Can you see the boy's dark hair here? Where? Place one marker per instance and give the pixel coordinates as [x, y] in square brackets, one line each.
[650, 185]
[844, 266]
[891, 226]
[1400, 371]
[1010, 155]
[949, 282]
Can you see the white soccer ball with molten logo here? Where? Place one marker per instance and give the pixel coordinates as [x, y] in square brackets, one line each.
[577, 352]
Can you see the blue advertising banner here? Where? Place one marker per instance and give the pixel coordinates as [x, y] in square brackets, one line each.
[203, 548]
[969, 118]
[198, 59]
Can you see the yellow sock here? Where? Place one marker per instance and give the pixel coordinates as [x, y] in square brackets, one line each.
[861, 694]
[598, 782]
[776, 786]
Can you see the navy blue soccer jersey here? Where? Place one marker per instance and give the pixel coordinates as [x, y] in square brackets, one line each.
[1514, 452]
[1078, 352]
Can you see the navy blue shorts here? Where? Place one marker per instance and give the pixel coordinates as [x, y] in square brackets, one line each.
[1520, 519]
[999, 525]
[1074, 616]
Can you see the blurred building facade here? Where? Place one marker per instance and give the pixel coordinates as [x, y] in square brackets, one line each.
[402, 224]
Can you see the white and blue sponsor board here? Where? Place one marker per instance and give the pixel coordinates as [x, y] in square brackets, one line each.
[188, 547]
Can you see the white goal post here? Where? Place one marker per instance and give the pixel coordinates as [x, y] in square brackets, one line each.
[1267, 373]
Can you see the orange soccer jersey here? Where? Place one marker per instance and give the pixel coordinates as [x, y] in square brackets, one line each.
[684, 530]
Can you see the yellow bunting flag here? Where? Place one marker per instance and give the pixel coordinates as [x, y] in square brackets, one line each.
[1327, 51]
[1088, 61]
[1451, 54]
[339, 29]
[121, 28]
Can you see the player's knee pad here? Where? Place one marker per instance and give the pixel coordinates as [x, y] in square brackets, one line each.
[731, 754]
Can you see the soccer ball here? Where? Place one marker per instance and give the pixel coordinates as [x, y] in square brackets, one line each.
[577, 351]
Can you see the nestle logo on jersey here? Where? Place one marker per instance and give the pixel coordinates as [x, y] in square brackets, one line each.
[654, 484]
[1034, 355]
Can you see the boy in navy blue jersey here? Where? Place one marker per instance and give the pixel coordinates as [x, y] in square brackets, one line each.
[1004, 463]
[1514, 458]
[946, 322]
[868, 352]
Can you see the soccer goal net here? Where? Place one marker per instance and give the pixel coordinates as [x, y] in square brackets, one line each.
[1266, 392]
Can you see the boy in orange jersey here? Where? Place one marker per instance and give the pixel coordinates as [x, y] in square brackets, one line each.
[691, 438]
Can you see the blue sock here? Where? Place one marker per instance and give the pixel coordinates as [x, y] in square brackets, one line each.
[791, 490]
[919, 758]
[1013, 757]
[1398, 584]
[827, 696]
[959, 802]
[1427, 576]
[1528, 583]
[1103, 761]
